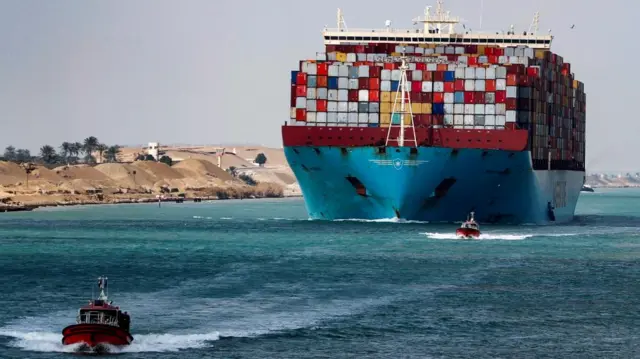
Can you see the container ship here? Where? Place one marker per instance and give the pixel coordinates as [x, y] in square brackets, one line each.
[429, 124]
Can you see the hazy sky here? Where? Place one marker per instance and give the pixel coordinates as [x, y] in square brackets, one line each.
[196, 71]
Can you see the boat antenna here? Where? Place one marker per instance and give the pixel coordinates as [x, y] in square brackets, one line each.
[102, 284]
[405, 100]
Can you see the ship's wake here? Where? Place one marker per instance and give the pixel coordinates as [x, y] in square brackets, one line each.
[486, 236]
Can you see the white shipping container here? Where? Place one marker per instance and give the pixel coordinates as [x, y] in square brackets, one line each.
[490, 73]
[332, 117]
[321, 93]
[512, 92]
[469, 109]
[410, 49]
[363, 118]
[321, 56]
[363, 95]
[343, 95]
[351, 57]
[385, 75]
[502, 59]
[343, 106]
[489, 97]
[332, 95]
[420, 50]
[438, 86]
[312, 68]
[385, 86]
[311, 105]
[470, 73]
[458, 120]
[490, 109]
[301, 102]
[395, 75]
[432, 66]
[427, 86]
[518, 51]
[448, 108]
[459, 73]
[342, 124]
[343, 70]
[439, 49]
[448, 97]
[342, 117]
[311, 93]
[509, 51]
[448, 119]
[363, 71]
[449, 50]
[416, 75]
[399, 48]
[501, 120]
[371, 57]
[292, 113]
[412, 66]
[321, 117]
[352, 117]
[452, 67]
[529, 53]
[363, 125]
[334, 70]
[332, 106]
[332, 56]
[299, 123]
[468, 120]
[343, 83]
[361, 57]
[463, 59]
[501, 72]
[374, 107]
[374, 118]
[311, 117]
[429, 52]
[501, 109]
[459, 50]
[353, 107]
[469, 85]
[490, 120]
[479, 85]
[511, 116]
[480, 73]
[482, 60]
[478, 109]
[501, 85]
[458, 109]
[478, 120]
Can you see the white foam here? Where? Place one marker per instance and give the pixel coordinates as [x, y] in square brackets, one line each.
[381, 220]
[505, 237]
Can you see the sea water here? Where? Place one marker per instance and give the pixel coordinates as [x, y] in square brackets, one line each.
[257, 279]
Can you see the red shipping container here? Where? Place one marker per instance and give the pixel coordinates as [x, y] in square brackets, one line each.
[330, 48]
[512, 80]
[427, 75]
[512, 104]
[301, 91]
[374, 84]
[437, 120]
[501, 96]
[510, 125]
[469, 97]
[459, 85]
[472, 60]
[323, 69]
[374, 71]
[449, 87]
[427, 97]
[424, 120]
[438, 76]
[363, 83]
[321, 105]
[533, 71]
[498, 51]
[421, 66]
[293, 96]
[416, 86]
[360, 48]
[388, 66]
[442, 68]
[322, 81]
[416, 96]
[478, 97]
[374, 96]
[438, 97]
[493, 59]
[490, 85]
[301, 78]
[353, 95]
[301, 114]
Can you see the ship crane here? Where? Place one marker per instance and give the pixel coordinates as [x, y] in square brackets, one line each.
[402, 95]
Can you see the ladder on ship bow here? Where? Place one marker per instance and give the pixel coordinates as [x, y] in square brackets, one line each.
[399, 116]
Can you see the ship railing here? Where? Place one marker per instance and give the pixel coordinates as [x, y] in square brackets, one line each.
[477, 34]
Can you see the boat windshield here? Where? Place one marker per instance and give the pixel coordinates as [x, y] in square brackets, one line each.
[108, 317]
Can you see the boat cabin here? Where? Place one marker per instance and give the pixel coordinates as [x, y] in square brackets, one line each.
[101, 312]
[471, 225]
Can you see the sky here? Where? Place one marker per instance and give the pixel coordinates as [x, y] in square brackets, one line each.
[212, 72]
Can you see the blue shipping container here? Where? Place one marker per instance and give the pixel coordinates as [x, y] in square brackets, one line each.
[395, 85]
[294, 76]
[353, 72]
[373, 125]
[312, 81]
[395, 119]
[458, 97]
[449, 76]
[438, 109]
[332, 83]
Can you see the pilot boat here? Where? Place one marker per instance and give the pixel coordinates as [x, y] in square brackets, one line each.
[469, 228]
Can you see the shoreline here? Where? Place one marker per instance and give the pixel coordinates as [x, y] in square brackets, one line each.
[28, 207]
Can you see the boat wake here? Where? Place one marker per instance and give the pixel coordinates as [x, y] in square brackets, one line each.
[382, 220]
[484, 236]
[52, 342]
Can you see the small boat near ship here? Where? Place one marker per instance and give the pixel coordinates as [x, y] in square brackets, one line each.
[99, 325]
[587, 188]
[469, 228]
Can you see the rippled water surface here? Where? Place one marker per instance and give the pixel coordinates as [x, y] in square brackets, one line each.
[256, 279]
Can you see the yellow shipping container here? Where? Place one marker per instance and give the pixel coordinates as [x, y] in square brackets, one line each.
[481, 49]
[341, 57]
[540, 54]
[575, 84]
[426, 108]
[416, 108]
[385, 96]
[385, 119]
[385, 107]
[407, 119]
[395, 54]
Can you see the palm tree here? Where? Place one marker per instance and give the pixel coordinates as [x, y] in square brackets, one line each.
[112, 153]
[48, 154]
[90, 145]
[65, 151]
[101, 148]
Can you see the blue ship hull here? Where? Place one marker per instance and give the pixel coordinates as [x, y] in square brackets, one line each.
[434, 184]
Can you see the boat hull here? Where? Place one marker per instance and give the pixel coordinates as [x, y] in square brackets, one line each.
[95, 335]
[467, 233]
[435, 184]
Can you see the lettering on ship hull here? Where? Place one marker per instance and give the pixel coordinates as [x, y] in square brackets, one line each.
[398, 163]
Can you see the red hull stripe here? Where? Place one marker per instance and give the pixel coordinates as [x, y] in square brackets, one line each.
[93, 334]
[509, 140]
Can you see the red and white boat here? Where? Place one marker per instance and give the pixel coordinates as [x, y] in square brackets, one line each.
[469, 228]
[99, 325]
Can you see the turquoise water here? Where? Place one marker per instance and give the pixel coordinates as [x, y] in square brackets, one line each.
[256, 279]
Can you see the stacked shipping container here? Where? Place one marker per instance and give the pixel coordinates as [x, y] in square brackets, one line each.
[466, 87]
